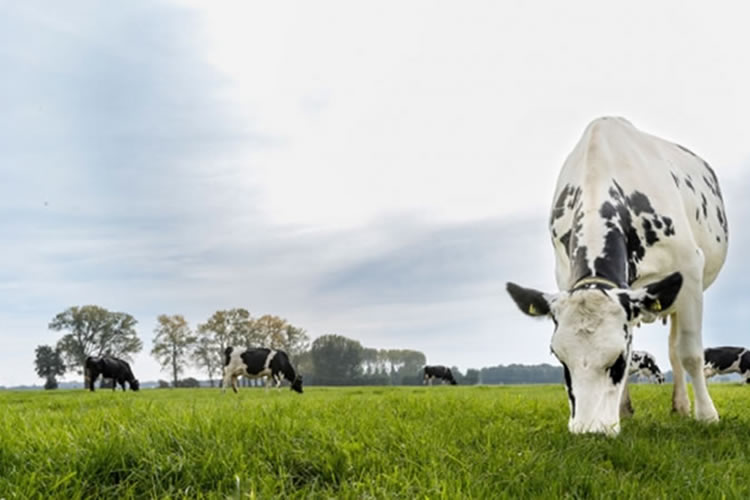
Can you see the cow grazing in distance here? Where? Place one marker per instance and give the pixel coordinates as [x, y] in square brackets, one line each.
[721, 360]
[259, 362]
[440, 372]
[644, 364]
[109, 367]
[639, 231]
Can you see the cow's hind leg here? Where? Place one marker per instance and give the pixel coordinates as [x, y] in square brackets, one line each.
[689, 317]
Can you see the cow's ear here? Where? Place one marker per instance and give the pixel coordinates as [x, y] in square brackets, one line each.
[528, 300]
[658, 296]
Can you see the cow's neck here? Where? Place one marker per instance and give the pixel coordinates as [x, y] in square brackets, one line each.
[598, 246]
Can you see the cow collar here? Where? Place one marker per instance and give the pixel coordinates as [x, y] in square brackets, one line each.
[594, 280]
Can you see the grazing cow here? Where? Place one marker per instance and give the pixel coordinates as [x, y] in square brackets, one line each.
[110, 367]
[438, 371]
[639, 232]
[721, 360]
[643, 364]
[259, 362]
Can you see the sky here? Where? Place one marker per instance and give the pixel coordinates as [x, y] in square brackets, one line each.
[376, 171]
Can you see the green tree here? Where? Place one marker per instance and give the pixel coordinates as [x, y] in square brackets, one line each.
[337, 359]
[172, 344]
[49, 365]
[94, 331]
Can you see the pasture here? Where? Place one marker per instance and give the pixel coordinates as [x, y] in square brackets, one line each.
[374, 442]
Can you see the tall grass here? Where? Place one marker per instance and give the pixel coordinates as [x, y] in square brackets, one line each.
[439, 442]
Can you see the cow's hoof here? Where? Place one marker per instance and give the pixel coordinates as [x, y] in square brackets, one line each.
[681, 408]
[709, 415]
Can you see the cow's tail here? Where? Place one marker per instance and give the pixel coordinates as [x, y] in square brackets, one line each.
[228, 355]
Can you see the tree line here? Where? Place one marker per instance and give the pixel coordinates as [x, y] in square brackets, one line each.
[329, 360]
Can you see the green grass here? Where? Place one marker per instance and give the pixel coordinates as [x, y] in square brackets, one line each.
[439, 442]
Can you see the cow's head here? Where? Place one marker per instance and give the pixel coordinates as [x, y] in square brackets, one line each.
[297, 384]
[134, 385]
[592, 340]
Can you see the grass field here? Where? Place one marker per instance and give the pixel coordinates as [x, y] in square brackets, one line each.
[439, 442]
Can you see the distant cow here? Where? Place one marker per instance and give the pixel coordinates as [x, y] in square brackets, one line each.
[438, 371]
[643, 364]
[259, 362]
[110, 367]
[721, 360]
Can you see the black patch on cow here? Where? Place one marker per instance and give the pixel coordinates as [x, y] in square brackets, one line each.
[689, 183]
[228, 355]
[668, 226]
[607, 210]
[698, 214]
[639, 203]
[718, 239]
[558, 209]
[704, 205]
[649, 233]
[711, 187]
[722, 357]
[525, 298]
[569, 387]
[565, 240]
[617, 370]
[722, 219]
[675, 179]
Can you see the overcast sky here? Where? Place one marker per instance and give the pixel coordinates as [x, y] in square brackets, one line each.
[376, 171]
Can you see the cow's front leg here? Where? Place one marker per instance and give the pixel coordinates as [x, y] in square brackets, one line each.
[626, 407]
[680, 400]
[689, 318]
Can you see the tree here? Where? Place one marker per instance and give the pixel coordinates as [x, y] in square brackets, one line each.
[232, 327]
[205, 355]
[336, 359]
[94, 331]
[471, 377]
[277, 333]
[49, 365]
[172, 344]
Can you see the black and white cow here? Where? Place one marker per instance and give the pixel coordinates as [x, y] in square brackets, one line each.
[259, 362]
[109, 367]
[639, 231]
[644, 364]
[438, 371]
[721, 360]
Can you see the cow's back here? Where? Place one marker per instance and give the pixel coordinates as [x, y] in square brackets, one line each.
[674, 191]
